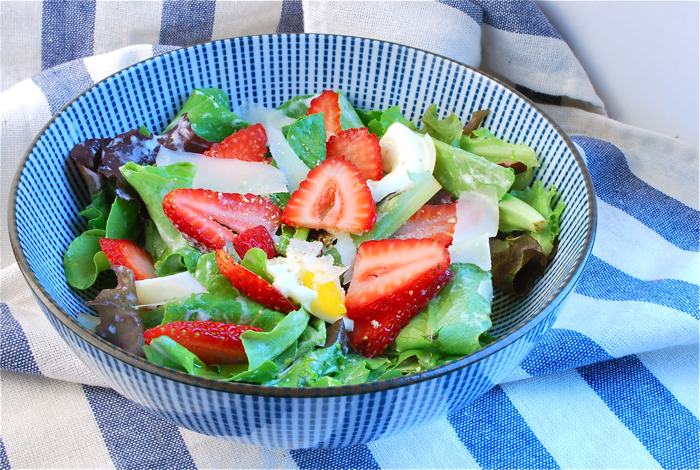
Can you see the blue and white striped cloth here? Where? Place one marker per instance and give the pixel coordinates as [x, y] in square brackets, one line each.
[613, 385]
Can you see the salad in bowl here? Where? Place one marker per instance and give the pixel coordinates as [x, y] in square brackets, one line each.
[309, 245]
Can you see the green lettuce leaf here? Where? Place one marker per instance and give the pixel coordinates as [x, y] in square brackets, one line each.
[314, 336]
[357, 369]
[388, 117]
[542, 201]
[368, 116]
[312, 366]
[207, 273]
[307, 137]
[210, 116]
[458, 170]
[123, 222]
[496, 150]
[98, 210]
[255, 261]
[453, 320]
[348, 116]
[84, 259]
[446, 130]
[296, 107]
[212, 307]
[153, 183]
[265, 346]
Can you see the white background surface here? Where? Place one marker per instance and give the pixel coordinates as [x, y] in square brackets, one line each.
[641, 56]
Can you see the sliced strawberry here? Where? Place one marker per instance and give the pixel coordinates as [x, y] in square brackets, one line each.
[209, 219]
[334, 196]
[392, 281]
[256, 237]
[251, 285]
[431, 221]
[327, 103]
[360, 148]
[128, 254]
[249, 144]
[212, 342]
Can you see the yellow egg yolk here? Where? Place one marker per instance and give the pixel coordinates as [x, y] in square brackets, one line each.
[329, 303]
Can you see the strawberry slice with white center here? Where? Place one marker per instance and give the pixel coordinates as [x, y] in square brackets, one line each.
[360, 148]
[393, 280]
[128, 254]
[208, 219]
[327, 103]
[251, 285]
[436, 221]
[334, 196]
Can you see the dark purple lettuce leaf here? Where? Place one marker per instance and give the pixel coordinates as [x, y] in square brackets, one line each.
[181, 138]
[120, 321]
[131, 146]
[517, 262]
[88, 155]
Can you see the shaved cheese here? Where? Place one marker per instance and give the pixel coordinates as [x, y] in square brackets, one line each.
[475, 251]
[485, 290]
[288, 161]
[255, 113]
[477, 214]
[348, 251]
[226, 175]
[157, 291]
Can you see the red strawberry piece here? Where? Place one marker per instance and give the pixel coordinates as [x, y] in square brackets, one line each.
[334, 196]
[393, 280]
[360, 148]
[253, 286]
[431, 221]
[256, 237]
[209, 219]
[327, 103]
[249, 145]
[212, 342]
[128, 254]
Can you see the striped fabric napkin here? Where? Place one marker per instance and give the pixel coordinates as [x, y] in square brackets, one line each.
[613, 385]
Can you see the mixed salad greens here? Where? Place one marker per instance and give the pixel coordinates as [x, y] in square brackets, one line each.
[314, 244]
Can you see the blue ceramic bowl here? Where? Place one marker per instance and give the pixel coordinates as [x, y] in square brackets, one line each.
[48, 194]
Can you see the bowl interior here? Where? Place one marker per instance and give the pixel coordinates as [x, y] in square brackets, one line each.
[270, 70]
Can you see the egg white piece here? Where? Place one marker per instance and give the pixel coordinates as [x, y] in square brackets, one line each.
[395, 182]
[157, 291]
[228, 176]
[406, 149]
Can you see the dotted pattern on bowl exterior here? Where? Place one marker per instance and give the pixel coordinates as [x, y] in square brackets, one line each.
[270, 70]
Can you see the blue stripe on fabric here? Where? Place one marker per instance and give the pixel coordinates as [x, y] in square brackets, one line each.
[615, 184]
[473, 11]
[562, 349]
[600, 280]
[497, 436]
[4, 461]
[187, 23]
[158, 49]
[67, 31]
[666, 428]
[134, 437]
[292, 17]
[330, 459]
[62, 83]
[16, 354]
[517, 16]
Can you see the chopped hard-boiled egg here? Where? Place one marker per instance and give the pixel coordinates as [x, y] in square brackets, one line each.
[310, 280]
[403, 150]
